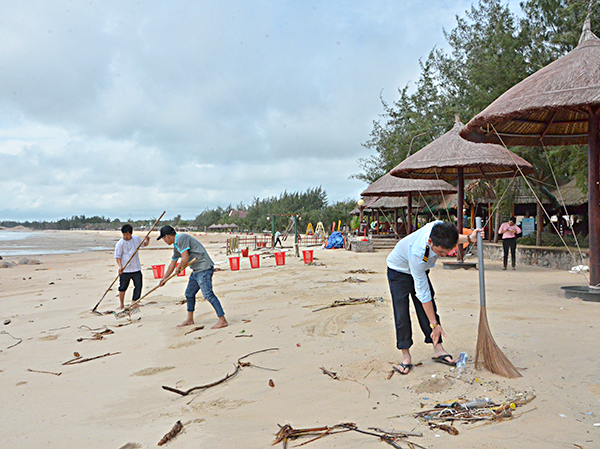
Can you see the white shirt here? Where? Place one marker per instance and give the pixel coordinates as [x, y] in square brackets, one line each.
[408, 256]
[124, 249]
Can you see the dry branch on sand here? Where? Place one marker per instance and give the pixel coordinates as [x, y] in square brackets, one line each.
[78, 359]
[172, 433]
[238, 366]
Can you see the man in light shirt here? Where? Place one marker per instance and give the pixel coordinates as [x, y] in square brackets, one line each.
[408, 274]
[132, 271]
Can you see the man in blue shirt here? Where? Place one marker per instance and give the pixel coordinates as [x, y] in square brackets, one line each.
[408, 274]
[186, 248]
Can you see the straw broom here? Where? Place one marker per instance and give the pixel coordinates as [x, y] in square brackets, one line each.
[488, 355]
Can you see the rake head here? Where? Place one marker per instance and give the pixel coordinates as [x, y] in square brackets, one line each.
[127, 312]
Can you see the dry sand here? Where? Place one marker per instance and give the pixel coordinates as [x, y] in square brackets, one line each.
[115, 400]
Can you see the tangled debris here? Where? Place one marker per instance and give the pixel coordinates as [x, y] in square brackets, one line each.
[361, 271]
[355, 280]
[391, 437]
[351, 301]
[443, 415]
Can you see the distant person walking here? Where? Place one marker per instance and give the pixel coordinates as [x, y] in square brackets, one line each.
[278, 240]
[186, 248]
[124, 249]
[509, 231]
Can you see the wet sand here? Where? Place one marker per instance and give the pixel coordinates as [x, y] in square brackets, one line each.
[115, 400]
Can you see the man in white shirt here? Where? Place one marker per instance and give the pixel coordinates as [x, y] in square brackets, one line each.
[408, 274]
[132, 271]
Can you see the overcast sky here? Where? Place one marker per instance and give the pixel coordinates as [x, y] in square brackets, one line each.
[125, 109]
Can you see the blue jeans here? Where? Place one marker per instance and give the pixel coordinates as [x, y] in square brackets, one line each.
[202, 280]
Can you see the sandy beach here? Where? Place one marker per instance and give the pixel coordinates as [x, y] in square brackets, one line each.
[118, 401]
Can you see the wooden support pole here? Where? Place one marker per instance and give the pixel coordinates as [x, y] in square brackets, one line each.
[594, 197]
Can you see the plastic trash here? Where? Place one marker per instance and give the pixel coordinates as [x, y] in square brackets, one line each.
[461, 363]
[478, 403]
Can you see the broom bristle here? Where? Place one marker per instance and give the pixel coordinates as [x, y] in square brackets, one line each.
[488, 354]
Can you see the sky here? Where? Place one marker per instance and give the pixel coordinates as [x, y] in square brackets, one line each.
[125, 109]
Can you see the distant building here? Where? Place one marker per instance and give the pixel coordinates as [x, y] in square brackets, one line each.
[238, 213]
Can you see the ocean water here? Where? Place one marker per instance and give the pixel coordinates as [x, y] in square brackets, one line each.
[33, 243]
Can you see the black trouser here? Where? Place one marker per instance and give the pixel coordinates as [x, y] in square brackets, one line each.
[136, 276]
[512, 245]
[401, 285]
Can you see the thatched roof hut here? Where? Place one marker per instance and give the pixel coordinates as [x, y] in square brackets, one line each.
[549, 107]
[569, 194]
[389, 185]
[452, 157]
[449, 155]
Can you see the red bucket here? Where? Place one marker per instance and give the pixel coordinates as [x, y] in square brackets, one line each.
[255, 260]
[308, 255]
[158, 271]
[280, 258]
[234, 263]
[182, 272]
[245, 252]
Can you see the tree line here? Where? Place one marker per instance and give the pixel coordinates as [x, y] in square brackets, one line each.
[312, 206]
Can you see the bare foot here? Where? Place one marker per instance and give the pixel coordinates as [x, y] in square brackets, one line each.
[221, 323]
[121, 307]
[185, 323]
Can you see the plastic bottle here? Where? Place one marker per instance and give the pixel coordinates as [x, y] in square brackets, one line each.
[461, 363]
[478, 403]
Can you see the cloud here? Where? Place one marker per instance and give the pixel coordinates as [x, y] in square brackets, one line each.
[124, 109]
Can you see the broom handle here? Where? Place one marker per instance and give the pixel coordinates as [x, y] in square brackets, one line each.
[480, 260]
[166, 280]
[138, 248]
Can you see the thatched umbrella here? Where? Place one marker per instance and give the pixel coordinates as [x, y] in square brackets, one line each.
[389, 185]
[452, 157]
[557, 105]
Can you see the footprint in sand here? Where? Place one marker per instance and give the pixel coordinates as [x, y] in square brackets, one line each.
[182, 344]
[436, 385]
[595, 389]
[152, 371]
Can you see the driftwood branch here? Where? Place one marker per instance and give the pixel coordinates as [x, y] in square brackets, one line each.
[238, 367]
[197, 328]
[172, 433]
[330, 373]
[16, 338]
[80, 360]
[42, 372]
[203, 387]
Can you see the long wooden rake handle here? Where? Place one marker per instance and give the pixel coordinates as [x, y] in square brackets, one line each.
[138, 248]
[134, 303]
